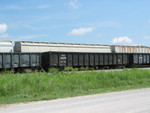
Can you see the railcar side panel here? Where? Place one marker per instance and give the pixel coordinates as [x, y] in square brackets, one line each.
[6, 60]
[120, 61]
[1, 61]
[75, 59]
[125, 59]
[86, 59]
[54, 59]
[91, 59]
[140, 58]
[101, 57]
[69, 59]
[35, 59]
[110, 59]
[135, 59]
[45, 60]
[148, 61]
[15, 60]
[24, 60]
[62, 59]
[81, 59]
[96, 59]
[114, 59]
[144, 59]
[106, 59]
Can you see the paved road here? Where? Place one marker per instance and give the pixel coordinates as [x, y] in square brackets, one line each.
[133, 101]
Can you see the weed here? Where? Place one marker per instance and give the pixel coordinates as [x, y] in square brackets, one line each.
[53, 70]
[40, 86]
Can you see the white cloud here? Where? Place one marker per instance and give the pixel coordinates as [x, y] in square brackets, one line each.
[3, 28]
[74, 4]
[122, 40]
[81, 31]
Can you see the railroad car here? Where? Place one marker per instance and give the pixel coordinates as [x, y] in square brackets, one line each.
[6, 46]
[139, 59]
[64, 59]
[19, 60]
[129, 49]
[26, 46]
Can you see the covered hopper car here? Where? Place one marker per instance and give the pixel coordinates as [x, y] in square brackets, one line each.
[6, 46]
[26, 46]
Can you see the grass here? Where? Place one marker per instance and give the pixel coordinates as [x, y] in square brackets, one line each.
[15, 88]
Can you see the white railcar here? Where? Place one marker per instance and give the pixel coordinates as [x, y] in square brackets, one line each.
[26, 46]
[6, 46]
[130, 49]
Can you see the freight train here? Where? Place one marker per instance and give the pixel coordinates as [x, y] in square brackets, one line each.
[46, 60]
[61, 55]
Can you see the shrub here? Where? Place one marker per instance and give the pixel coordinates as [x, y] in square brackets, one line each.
[81, 68]
[69, 69]
[5, 71]
[53, 70]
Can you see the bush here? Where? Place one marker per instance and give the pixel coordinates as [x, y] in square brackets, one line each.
[5, 72]
[69, 69]
[81, 69]
[84, 68]
[53, 70]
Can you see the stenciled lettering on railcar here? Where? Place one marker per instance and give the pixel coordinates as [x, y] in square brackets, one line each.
[63, 59]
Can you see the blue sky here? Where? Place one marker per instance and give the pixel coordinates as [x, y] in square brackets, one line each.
[119, 22]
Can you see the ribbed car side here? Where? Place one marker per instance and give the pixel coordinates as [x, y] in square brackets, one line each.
[91, 60]
[46, 60]
[19, 60]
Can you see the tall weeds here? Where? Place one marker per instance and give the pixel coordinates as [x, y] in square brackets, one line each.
[41, 86]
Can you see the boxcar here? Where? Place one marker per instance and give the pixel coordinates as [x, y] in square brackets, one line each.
[64, 59]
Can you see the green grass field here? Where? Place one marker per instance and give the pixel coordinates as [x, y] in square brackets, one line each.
[15, 88]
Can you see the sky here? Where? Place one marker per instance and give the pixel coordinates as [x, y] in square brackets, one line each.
[106, 22]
